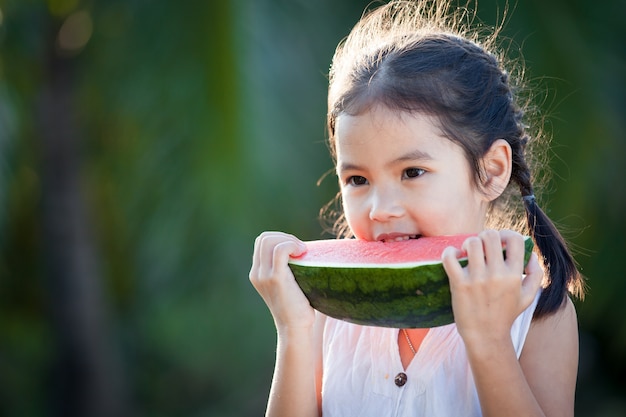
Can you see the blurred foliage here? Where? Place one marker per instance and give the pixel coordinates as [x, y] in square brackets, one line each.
[201, 124]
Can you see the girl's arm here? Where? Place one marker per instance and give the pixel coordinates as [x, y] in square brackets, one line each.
[542, 382]
[550, 360]
[296, 384]
[487, 297]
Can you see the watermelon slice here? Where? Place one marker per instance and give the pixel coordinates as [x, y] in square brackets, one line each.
[388, 284]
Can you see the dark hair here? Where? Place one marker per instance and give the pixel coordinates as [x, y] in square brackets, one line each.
[421, 57]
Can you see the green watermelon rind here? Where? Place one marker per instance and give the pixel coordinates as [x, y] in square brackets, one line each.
[415, 297]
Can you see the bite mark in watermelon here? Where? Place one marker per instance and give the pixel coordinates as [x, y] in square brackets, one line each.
[388, 284]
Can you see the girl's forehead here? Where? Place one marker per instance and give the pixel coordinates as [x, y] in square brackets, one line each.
[382, 136]
[387, 127]
[379, 116]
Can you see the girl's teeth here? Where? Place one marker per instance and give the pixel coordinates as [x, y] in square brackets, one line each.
[403, 238]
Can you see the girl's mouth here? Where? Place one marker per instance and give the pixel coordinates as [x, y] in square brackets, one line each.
[396, 237]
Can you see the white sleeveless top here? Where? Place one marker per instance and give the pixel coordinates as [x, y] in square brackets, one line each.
[360, 364]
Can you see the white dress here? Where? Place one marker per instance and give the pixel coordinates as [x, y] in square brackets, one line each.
[360, 365]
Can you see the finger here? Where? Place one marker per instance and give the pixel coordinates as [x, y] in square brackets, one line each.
[270, 240]
[532, 281]
[255, 261]
[266, 254]
[473, 246]
[283, 251]
[451, 264]
[492, 246]
[263, 258]
[514, 244]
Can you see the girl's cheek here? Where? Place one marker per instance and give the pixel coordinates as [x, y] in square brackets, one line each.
[356, 222]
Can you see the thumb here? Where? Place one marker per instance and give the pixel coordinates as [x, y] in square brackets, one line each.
[532, 281]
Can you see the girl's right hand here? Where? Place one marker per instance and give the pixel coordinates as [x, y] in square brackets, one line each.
[271, 277]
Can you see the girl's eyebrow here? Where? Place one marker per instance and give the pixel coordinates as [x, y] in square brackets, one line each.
[347, 166]
[416, 155]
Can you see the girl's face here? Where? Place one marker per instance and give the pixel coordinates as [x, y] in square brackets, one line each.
[400, 178]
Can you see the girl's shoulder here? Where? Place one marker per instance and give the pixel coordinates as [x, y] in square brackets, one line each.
[563, 320]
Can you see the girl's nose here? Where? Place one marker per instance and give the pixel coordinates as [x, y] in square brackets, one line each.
[385, 205]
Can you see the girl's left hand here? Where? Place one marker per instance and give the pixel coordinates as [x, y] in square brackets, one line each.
[489, 293]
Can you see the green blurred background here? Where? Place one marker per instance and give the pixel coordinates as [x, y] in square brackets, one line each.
[144, 144]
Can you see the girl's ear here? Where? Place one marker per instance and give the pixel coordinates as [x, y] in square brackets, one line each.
[496, 164]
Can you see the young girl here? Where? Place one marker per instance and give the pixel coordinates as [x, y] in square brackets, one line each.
[429, 139]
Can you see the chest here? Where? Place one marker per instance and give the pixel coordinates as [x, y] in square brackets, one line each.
[364, 374]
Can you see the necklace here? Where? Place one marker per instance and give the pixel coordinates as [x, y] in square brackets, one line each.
[406, 335]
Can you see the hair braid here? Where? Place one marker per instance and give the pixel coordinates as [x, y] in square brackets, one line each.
[562, 271]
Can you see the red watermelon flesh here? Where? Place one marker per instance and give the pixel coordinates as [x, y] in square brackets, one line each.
[360, 253]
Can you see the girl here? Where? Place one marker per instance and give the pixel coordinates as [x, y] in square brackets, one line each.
[428, 139]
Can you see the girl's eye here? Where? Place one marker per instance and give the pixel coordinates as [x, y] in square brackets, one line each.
[357, 180]
[413, 172]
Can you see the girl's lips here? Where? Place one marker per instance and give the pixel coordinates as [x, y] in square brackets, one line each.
[395, 237]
